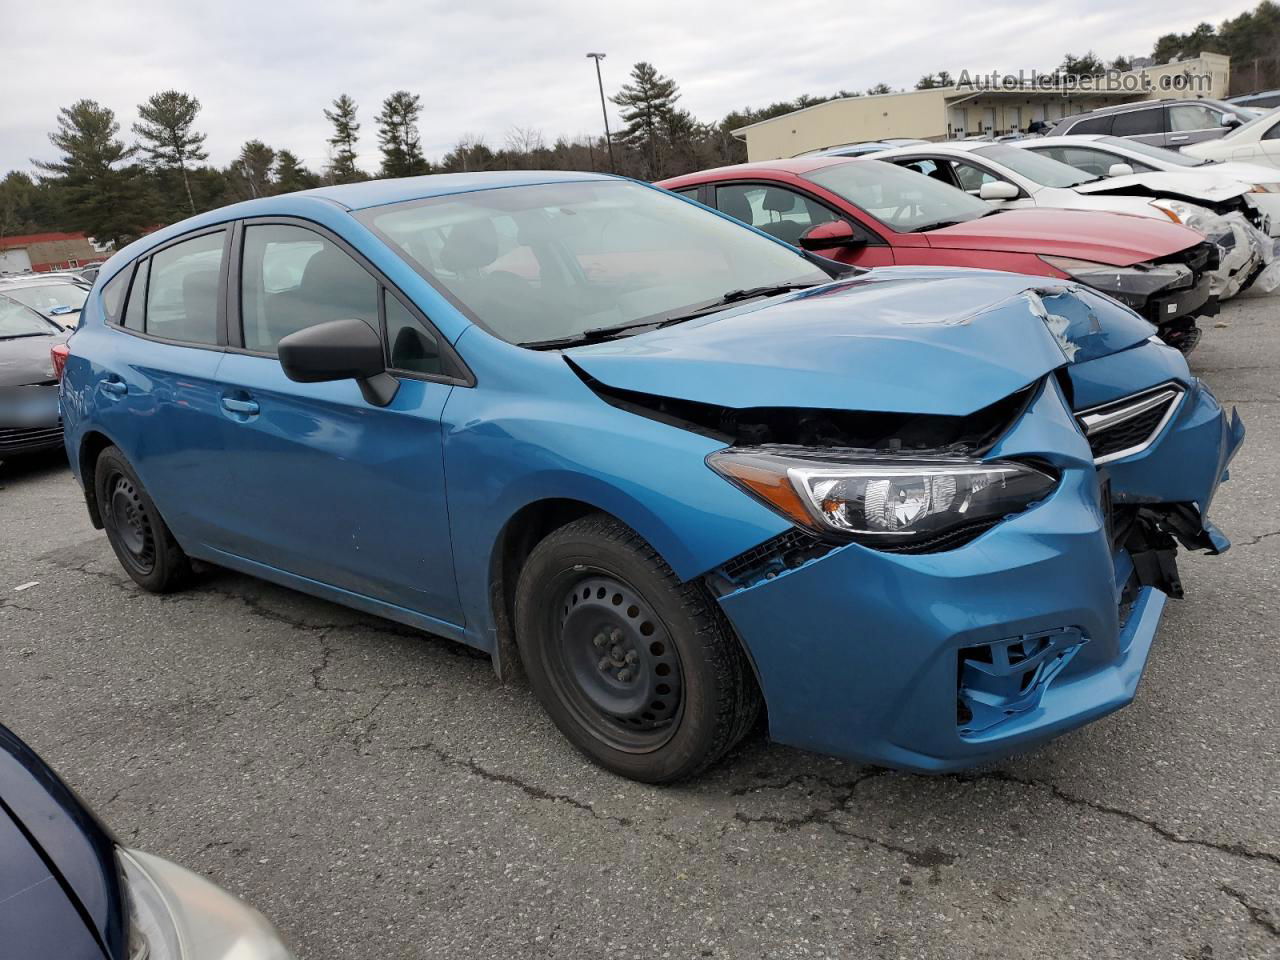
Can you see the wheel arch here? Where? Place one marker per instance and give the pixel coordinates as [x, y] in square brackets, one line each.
[92, 443]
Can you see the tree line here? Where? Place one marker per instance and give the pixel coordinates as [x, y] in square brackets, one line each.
[114, 187]
[114, 190]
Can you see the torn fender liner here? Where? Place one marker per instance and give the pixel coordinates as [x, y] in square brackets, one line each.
[885, 341]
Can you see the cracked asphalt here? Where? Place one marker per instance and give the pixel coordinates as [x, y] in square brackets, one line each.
[378, 793]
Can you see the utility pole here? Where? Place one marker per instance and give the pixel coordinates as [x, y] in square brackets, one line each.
[597, 57]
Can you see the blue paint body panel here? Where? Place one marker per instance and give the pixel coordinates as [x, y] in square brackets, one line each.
[400, 511]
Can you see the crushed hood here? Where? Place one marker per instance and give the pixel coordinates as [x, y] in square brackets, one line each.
[1114, 239]
[1196, 187]
[896, 339]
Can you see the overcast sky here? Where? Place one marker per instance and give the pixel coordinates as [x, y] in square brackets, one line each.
[266, 69]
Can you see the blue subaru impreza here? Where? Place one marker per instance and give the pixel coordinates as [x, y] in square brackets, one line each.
[676, 471]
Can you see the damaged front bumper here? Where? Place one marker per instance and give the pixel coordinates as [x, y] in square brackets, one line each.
[939, 661]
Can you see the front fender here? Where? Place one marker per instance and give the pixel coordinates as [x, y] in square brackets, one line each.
[534, 431]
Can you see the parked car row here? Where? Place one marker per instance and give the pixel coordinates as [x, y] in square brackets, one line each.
[872, 212]
[682, 470]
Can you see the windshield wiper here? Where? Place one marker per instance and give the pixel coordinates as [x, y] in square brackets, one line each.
[601, 334]
[21, 336]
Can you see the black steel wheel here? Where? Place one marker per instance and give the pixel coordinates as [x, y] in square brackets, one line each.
[640, 671]
[615, 661]
[137, 533]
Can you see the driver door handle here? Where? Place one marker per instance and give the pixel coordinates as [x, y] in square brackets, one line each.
[247, 407]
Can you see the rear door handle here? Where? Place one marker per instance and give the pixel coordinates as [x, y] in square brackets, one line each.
[1179, 139]
[116, 387]
[247, 408]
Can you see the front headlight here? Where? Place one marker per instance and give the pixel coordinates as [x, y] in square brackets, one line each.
[152, 933]
[1266, 188]
[883, 500]
[1131, 285]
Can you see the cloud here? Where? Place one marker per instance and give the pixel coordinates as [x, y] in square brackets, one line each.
[267, 69]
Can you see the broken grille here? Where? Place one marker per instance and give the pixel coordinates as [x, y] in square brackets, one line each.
[1128, 426]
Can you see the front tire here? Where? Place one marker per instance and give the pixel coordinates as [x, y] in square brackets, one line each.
[640, 671]
[137, 533]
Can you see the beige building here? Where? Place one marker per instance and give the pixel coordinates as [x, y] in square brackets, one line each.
[977, 105]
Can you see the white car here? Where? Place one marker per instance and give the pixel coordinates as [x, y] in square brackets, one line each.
[1258, 141]
[1119, 157]
[1008, 176]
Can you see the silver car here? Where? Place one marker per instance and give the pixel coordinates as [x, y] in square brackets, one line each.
[1161, 123]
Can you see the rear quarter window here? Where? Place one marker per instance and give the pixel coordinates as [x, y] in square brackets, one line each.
[113, 295]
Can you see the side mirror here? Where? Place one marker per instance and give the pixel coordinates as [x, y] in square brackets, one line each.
[998, 190]
[339, 350]
[1120, 170]
[1230, 120]
[834, 233]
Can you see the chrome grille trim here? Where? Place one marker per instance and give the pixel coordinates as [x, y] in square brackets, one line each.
[1096, 421]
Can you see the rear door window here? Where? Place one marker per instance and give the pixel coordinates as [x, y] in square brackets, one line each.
[1137, 123]
[1091, 125]
[182, 290]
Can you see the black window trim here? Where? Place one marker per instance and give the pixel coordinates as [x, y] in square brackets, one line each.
[873, 238]
[221, 319]
[461, 375]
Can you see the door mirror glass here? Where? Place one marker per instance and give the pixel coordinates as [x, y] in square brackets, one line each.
[339, 350]
[836, 233]
[998, 190]
[1119, 170]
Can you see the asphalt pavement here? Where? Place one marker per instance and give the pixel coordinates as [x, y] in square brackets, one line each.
[379, 794]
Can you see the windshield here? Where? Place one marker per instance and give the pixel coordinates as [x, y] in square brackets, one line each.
[903, 199]
[19, 321]
[1035, 167]
[1155, 153]
[551, 261]
[51, 299]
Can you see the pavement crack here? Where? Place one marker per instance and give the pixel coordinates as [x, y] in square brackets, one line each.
[1258, 539]
[844, 791]
[1257, 915]
[1238, 850]
[529, 789]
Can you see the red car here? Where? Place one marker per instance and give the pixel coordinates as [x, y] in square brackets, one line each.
[870, 213]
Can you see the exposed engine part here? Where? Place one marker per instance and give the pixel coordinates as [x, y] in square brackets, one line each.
[939, 434]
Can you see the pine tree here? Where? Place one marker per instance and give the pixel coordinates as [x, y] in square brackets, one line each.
[169, 141]
[646, 102]
[398, 136]
[251, 173]
[101, 197]
[346, 134]
[291, 175]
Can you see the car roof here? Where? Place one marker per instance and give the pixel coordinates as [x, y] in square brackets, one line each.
[1069, 138]
[948, 146]
[795, 165]
[375, 193]
[38, 279]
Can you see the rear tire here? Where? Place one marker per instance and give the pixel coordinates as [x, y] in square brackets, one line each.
[640, 671]
[137, 533]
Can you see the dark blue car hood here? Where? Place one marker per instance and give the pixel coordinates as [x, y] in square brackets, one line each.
[904, 340]
[77, 851]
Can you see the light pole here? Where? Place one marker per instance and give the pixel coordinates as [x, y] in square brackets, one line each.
[597, 57]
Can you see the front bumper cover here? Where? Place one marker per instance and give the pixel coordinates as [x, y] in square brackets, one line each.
[890, 658]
